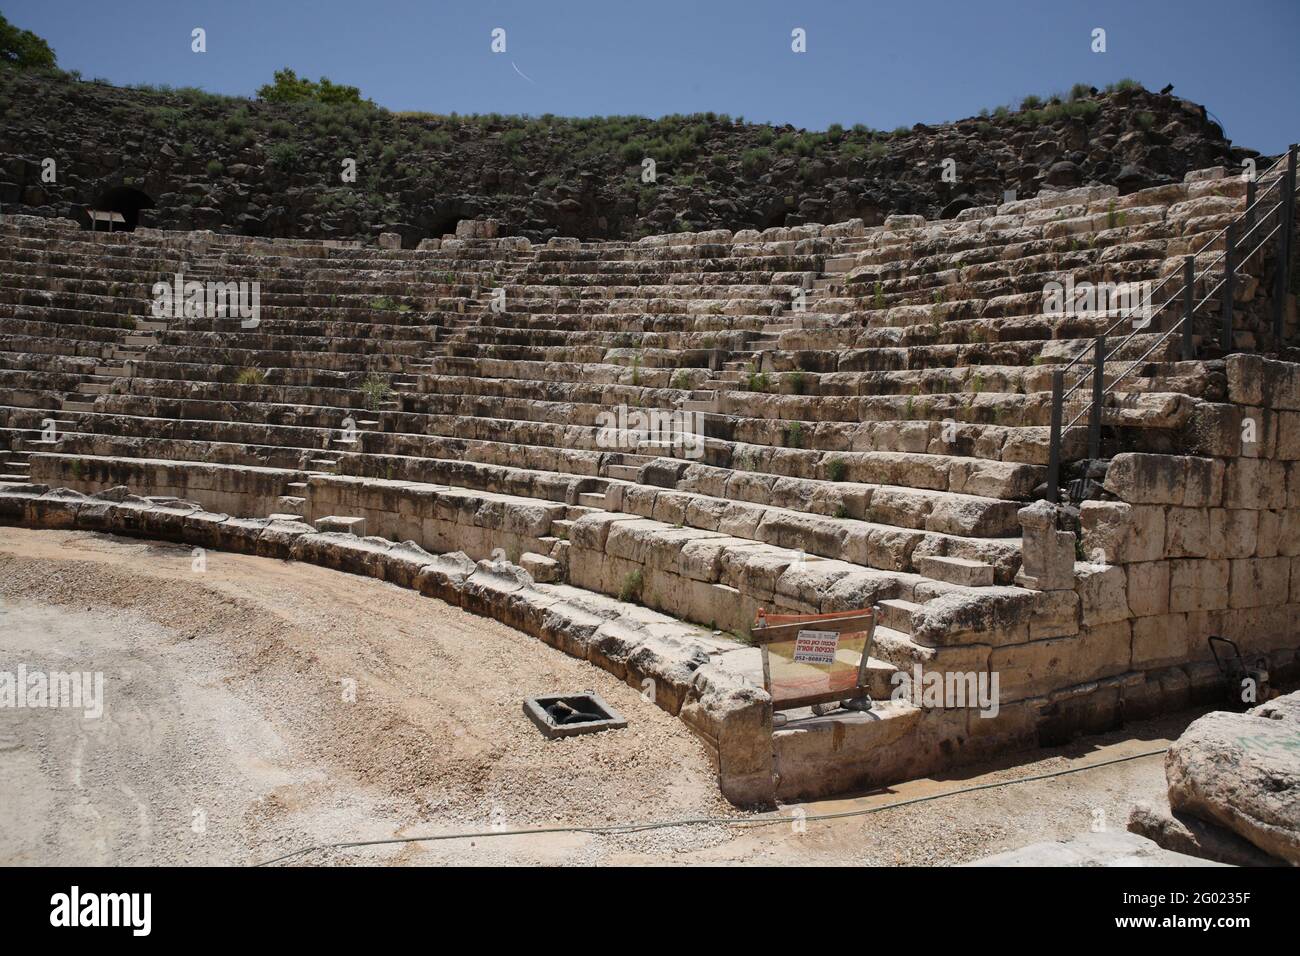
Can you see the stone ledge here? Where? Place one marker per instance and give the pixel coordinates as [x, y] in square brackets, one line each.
[633, 643]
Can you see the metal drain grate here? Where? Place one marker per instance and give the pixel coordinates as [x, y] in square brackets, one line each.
[566, 715]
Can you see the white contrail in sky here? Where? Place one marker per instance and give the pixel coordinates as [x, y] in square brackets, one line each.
[523, 74]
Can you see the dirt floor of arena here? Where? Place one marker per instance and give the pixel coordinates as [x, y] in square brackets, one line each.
[260, 706]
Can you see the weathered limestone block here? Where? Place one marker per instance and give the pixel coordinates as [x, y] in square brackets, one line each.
[402, 563]
[994, 615]
[1056, 614]
[1255, 582]
[735, 718]
[477, 229]
[1102, 592]
[1117, 533]
[1198, 585]
[1163, 640]
[1187, 533]
[1233, 532]
[666, 666]
[1255, 483]
[1139, 478]
[1241, 771]
[1048, 553]
[1147, 588]
[1039, 667]
[1287, 435]
[590, 532]
[1255, 380]
[1268, 538]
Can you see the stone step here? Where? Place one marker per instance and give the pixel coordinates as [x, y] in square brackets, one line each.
[623, 472]
[291, 502]
[284, 516]
[296, 486]
[694, 406]
[592, 499]
[139, 339]
[150, 325]
[346, 524]
[113, 371]
[72, 405]
[541, 567]
[973, 574]
[896, 614]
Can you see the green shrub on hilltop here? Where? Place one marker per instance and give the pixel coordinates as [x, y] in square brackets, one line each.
[23, 49]
[288, 87]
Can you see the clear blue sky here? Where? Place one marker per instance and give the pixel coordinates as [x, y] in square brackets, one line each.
[885, 63]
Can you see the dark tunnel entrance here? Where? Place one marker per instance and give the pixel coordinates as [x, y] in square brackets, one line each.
[122, 200]
[445, 226]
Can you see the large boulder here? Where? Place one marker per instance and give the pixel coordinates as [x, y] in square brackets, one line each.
[1183, 833]
[1242, 771]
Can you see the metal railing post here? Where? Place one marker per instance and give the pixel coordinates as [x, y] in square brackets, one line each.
[1286, 222]
[1098, 390]
[1054, 441]
[1189, 305]
[1230, 240]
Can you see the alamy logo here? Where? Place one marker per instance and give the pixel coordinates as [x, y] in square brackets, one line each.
[628, 429]
[1132, 299]
[36, 689]
[193, 299]
[951, 689]
[103, 909]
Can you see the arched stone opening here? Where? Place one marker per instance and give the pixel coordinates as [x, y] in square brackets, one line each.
[125, 201]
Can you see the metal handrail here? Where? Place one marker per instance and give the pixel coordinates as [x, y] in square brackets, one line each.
[1259, 178]
[1233, 257]
[1208, 297]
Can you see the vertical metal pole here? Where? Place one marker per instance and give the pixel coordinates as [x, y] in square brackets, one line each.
[1229, 252]
[1189, 305]
[1054, 441]
[1286, 213]
[1098, 393]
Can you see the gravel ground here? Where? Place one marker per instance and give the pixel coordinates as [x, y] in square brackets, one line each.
[230, 735]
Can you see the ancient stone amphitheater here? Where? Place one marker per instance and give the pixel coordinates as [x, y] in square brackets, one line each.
[856, 417]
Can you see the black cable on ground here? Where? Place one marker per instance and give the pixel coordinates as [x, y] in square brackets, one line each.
[711, 821]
